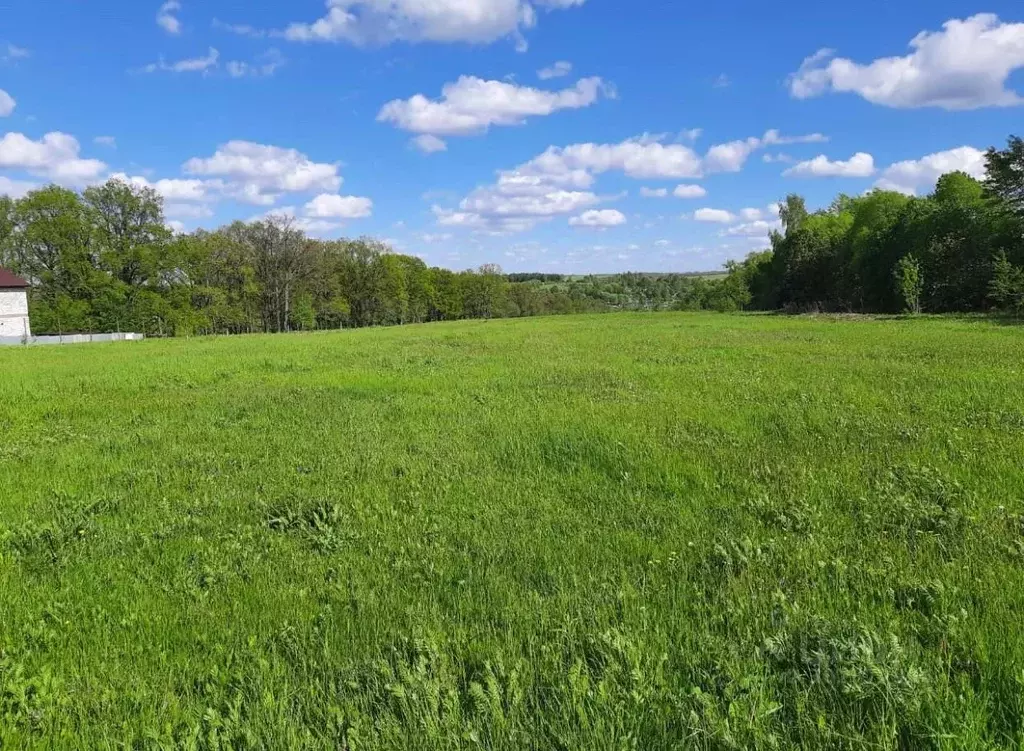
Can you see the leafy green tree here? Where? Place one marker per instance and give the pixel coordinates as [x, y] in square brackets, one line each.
[793, 212]
[54, 312]
[484, 292]
[754, 276]
[807, 260]
[448, 295]
[393, 294]
[302, 313]
[281, 260]
[958, 187]
[729, 294]
[869, 255]
[1005, 173]
[359, 277]
[419, 288]
[1006, 290]
[909, 283]
[129, 231]
[216, 270]
[955, 240]
[54, 250]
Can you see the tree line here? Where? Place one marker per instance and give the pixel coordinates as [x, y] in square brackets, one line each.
[104, 260]
[958, 249]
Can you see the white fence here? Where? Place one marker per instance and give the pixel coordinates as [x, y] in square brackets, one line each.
[72, 339]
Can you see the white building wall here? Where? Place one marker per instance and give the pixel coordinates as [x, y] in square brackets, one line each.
[14, 313]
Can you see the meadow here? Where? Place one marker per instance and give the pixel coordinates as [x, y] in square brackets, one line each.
[622, 531]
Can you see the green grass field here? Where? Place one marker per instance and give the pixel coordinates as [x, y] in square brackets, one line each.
[606, 532]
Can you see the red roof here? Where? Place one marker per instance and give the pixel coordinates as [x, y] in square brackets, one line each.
[8, 280]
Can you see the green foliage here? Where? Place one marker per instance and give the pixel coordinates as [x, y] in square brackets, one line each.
[1005, 173]
[624, 531]
[528, 277]
[909, 284]
[302, 316]
[793, 213]
[104, 261]
[871, 682]
[1006, 290]
[958, 188]
[129, 232]
[845, 257]
[636, 291]
[809, 257]
[871, 253]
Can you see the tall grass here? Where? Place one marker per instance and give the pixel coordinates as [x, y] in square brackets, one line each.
[614, 532]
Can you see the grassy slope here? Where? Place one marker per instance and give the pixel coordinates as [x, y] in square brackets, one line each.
[607, 532]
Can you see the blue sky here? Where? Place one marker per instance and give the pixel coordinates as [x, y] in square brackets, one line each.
[550, 135]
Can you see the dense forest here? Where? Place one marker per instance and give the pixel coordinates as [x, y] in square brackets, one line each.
[959, 249]
[104, 260]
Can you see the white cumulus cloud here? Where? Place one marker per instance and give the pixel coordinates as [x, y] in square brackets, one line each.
[689, 191]
[166, 18]
[731, 156]
[775, 138]
[471, 105]
[379, 22]
[173, 190]
[598, 218]
[519, 199]
[771, 211]
[643, 157]
[756, 228]
[859, 165]
[187, 210]
[15, 188]
[7, 104]
[266, 65]
[259, 174]
[557, 70]
[315, 226]
[920, 175]
[429, 144]
[559, 181]
[55, 157]
[647, 157]
[654, 192]
[965, 66]
[717, 216]
[332, 206]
